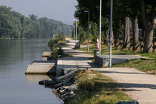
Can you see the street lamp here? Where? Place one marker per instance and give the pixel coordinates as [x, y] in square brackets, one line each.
[76, 28]
[79, 34]
[110, 53]
[88, 26]
[100, 27]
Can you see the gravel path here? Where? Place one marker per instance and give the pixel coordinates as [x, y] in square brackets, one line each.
[139, 85]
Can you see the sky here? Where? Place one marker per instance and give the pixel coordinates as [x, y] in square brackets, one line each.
[61, 10]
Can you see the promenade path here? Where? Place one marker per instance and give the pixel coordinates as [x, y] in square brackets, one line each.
[79, 59]
[139, 85]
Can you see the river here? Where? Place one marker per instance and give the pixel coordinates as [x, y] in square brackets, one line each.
[15, 86]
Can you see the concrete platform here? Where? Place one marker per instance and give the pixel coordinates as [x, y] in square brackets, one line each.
[103, 60]
[46, 54]
[41, 67]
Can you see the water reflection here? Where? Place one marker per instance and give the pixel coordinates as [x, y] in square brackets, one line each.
[15, 87]
[35, 78]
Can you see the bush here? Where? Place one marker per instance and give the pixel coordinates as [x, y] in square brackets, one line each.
[53, 44]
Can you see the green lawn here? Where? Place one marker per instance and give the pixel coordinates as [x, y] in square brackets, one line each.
[105, 50]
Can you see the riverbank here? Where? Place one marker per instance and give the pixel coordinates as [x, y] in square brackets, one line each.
[86, 87]
[77, 84]
[94, 88]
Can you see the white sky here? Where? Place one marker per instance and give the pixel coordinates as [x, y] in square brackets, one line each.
[61, 10]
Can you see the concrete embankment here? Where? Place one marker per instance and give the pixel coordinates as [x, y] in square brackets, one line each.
[41, 67]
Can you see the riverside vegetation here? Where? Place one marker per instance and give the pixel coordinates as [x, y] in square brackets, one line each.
[55, 44]
[14, 25]
[133, 23]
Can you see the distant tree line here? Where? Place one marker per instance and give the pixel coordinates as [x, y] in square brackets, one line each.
[133, 22]
[15, 25]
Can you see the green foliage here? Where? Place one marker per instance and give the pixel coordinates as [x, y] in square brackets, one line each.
[143, 10]
[94, 31]
[60, 51]
[15, 25]
[53, 43]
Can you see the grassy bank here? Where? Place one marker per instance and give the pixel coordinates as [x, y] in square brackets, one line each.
[146, 65]
[94, 88]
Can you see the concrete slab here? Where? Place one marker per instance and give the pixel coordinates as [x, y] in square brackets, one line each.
[41, 67]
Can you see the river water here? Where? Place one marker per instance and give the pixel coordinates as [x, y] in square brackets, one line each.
[15, 86]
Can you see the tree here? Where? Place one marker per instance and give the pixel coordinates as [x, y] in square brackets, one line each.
[135, 26]
[16, 25]
[126, 39]
[148, 13]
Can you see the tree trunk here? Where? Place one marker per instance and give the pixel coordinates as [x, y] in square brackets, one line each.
[126, 40]
[135, 34]
[112, 38]
[117, 40]
[149, 29]
[107, 37]
[148, 42]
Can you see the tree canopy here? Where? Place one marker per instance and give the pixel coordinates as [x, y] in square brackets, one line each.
[128, 17]
[15, 25]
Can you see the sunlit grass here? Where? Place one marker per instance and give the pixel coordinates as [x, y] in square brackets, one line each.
[97, 89]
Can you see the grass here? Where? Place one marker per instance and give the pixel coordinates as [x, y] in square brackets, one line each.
[105, 50]
[146, 65]
[95, 88]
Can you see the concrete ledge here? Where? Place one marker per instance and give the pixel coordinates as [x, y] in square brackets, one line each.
[41, 67]
[103, 60]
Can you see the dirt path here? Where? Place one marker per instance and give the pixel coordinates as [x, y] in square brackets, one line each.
[139, 85]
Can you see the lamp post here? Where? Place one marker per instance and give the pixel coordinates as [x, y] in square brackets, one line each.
[79, 34]
[88, 26]
[110, 53]
[76, 29]
[75, 32]
[100, 27]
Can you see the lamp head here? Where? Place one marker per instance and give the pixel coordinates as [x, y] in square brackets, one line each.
[85, 11]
